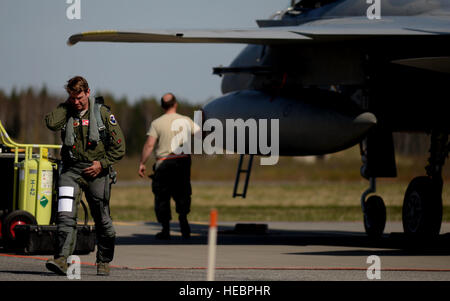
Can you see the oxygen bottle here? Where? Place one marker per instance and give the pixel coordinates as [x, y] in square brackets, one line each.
[44, 190]
[35, 187]
[28, 169]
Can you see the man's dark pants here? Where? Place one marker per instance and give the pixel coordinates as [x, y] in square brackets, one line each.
[172, 178]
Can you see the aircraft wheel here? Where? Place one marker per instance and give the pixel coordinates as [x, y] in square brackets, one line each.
[374, 216]
[422, 207]
[17, 217]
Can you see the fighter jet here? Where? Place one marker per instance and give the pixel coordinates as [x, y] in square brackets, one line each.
[337, 73]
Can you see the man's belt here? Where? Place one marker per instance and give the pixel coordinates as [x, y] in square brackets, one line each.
[172, 156]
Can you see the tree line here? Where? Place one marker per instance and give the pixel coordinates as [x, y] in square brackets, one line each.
[22, 113]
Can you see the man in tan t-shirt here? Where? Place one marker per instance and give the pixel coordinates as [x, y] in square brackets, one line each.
[172, 171]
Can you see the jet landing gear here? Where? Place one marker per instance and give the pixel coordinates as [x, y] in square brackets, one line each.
[422, 205]
[378, 157]
[374, 212]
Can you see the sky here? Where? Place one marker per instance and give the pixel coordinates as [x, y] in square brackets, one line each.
[33, 49]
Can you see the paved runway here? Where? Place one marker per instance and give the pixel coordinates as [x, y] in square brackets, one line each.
[318, 251]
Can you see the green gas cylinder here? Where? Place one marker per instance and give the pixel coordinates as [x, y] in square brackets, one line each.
[44, 192]
[28, 169]
[35, 187]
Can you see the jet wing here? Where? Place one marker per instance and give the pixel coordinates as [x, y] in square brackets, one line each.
[276, 31]
[256, 36]
[363, 27]
[408, 28]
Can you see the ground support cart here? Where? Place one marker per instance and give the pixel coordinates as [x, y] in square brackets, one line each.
[29, 204]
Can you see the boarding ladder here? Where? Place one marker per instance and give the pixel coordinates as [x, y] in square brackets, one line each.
[238, 175]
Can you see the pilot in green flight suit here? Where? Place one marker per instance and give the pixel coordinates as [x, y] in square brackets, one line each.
[92, 143]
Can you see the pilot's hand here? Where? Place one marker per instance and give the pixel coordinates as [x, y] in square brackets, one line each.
[94, 170]
[69, 101]
[69, 105]
[141, 170]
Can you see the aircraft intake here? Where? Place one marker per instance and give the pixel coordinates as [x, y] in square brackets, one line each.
[311, 122]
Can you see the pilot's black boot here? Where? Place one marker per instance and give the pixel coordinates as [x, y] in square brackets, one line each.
[165, 233]
[184, 226]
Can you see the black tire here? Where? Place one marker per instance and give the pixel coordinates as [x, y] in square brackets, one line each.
[422, 208]
[14, 218]
[374, 216]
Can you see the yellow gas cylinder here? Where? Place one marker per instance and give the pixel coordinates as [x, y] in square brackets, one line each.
[28, 169]
[44, 190]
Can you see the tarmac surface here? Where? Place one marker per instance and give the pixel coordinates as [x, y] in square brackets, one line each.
[287, 251]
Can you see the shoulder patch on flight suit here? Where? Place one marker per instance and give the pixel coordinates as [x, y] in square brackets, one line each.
[112, 119]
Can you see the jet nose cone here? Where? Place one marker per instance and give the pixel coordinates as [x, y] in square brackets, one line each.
[365, 120]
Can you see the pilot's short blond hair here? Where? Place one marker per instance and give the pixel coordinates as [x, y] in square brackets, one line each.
[76, 85]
